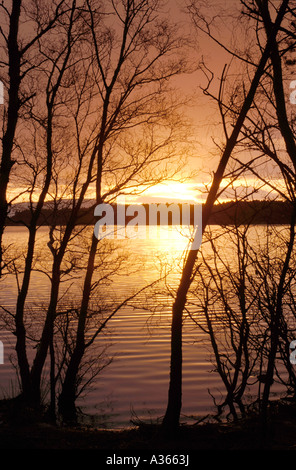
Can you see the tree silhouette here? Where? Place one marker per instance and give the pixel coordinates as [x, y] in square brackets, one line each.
[172, 415]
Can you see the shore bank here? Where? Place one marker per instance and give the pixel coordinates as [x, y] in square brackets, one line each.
[246, 433]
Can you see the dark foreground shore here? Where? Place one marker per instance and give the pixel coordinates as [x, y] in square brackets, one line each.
[26, 432]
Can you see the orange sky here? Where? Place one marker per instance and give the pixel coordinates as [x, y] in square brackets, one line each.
[203, 112]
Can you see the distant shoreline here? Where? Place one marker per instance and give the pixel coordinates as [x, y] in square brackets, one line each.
[228, 213]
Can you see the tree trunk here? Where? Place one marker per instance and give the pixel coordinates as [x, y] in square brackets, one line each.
[289, 139]
[20, 330]
[172, 415]
[12, 116]
[68, 394]
[46, 337]
[276, 321]
[171, 419]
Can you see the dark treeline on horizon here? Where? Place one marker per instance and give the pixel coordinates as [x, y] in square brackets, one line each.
[226, 213]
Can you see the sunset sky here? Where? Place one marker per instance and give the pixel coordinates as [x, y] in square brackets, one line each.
[206, 124]
[202, 112]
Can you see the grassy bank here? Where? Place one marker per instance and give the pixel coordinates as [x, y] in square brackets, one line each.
[27, 432]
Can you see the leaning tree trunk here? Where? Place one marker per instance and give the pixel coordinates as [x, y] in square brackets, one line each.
[172, 416]
[289, 139]
[40, 358]
[68, 394]
[12, 116]
[276, 322]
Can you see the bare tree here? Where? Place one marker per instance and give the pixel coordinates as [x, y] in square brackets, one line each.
[226, 297]
[290, 144]
[111, 123]
[57, 120]
[245, 275]
[172, 415]
[140, 57]
[55, 68]
[261, 135]
[17, 70]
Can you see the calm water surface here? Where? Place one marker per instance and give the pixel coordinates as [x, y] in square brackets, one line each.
[135, 384]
